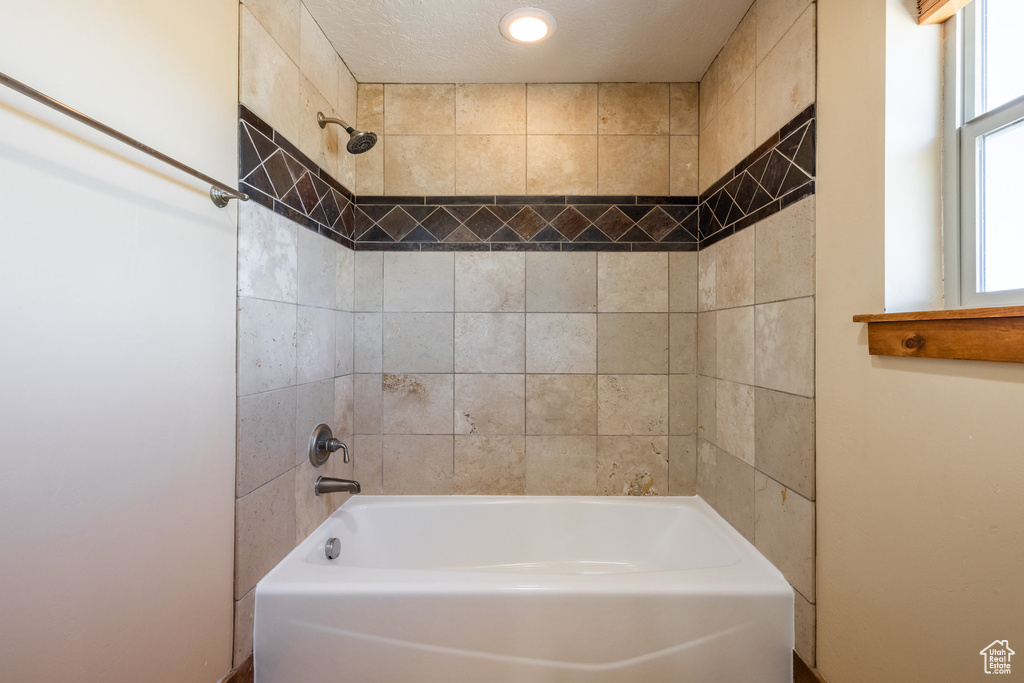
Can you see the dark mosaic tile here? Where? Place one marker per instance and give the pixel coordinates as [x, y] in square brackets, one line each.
[334, 184]
[745, 192]
[248, 157]
[614, 223]
[292, 199]
[505, 211]
[463, 213]
[733, 186]
[322, 189]
[657, 224]
[419, 234]
[775, 173]
[530, 199]
[760, 198]
[483, 223]
[796, 195]
[548, 211]
[505, 234]
[680, 213]
[396, 246]
[722, 182]
[318, 215]
[331, 235]
[264, 145]
[295, 216]
[663, 201]
[375, 211]
[664, 246]
[548, 234]
[756, 169]
[571, 223]
[375, 234]
[794, 179]
[257, 196]
[297, 169]
[600, 199]
[797, 121]
[360, 221]
[708, 223]
[527, 223]
[307, 193]
[596, 246]
[454, 246]
[592, 211]
[680, 234]
[280, 175]
[592, 234]
[461, 234]
[635, 213]
[384, 199]
[294, 152]
[397, 223]
[805, 156]
[441, 223]
[455, 200]
[735, 213]
[749, 160]
[256, 122]
[330, 207]
[525, 246]
[723, 207]
[715, 237]
[789, 145]
[261, 181]
[763, 212]
[420, 213]
[348, 220]
[691, 224]
[636, 235]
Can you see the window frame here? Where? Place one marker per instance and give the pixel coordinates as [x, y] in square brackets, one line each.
[962, 131]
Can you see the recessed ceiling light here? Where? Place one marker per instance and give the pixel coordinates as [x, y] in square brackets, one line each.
[527, 25]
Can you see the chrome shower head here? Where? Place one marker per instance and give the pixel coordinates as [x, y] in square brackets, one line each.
[358, 141]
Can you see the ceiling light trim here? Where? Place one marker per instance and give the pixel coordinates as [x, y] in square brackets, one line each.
[510, 33]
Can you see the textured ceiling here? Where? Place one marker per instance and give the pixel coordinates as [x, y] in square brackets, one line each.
[445, 41]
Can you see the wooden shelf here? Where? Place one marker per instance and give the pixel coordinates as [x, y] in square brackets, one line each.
[990, 334]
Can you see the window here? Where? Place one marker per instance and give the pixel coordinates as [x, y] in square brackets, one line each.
[985, 220]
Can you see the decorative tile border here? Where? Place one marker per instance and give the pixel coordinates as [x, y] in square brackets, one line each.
[277, 175]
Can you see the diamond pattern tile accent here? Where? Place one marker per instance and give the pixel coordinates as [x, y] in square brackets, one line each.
[527, 223]
[397, 223]
[441, 224]
[483, 223]
[571, 223]
[614, 223]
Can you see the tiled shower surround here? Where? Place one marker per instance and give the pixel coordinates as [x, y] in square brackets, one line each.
[543, 339]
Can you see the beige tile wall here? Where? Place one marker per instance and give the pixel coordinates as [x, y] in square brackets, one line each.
[755, 396]
[525, 373]
[516, 138]
[763, 77]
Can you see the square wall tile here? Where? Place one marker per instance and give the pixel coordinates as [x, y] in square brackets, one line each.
[369, 281]
[367, 397]
[314, 405]
[319, 144]
[684, 165]
[490, 404]
[561, 404]
[561, 164]
[632, 404]
[561, 465]
[709, 95]
[632, 343]
[806, 621]
[633, 109]
[682, 342]
[707, 410]
[734, 493]
[318, 270]
[419, 109]
[682, 408]
[344, 343]
[370, 107]
[418, 404]
[707, 282]
[785, 253]
[245, 609]
[344, 405]
[736, 127]
[785, 532]
[369, 169]
[265, 433]
[310, 509]
[735, 420]
[490, 465]
[419, 282]
[784, 439]
[267, 255]
[315, 344]
[368, 463]
[490, 281]
[266, 345]
[419, 165]
[774, 18]
[736, 60]
[707, 353]
[281, 19]
[734, 271]
[561, 283]
[787, 78]
[367, 341]
[632, 282]
[268, 78]
[419, 465]
[707, 475]
[561, 342]
[684, 109]
[682, 281]
[264, 530]
[345, 278]
[418, 342]
[784, 346]
[682, 465]
[490, 109]
[490, 342]
[633, 164]
[632, 465]
[734, 344]
[490, 164]
[318, 59]
[561, 108]
[710, 169]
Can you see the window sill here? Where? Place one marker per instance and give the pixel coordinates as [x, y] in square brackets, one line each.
[991, 334]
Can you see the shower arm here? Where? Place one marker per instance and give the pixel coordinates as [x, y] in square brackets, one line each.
[324, 120]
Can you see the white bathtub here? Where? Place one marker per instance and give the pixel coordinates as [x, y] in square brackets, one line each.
[481, 589]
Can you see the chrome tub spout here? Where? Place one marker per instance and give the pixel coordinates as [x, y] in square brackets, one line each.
[332, 485]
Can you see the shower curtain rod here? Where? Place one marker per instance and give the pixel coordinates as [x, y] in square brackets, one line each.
[219, 192]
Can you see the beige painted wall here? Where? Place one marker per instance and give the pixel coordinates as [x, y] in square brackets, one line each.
[517, 138]
[920, 463]
[117, 352]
